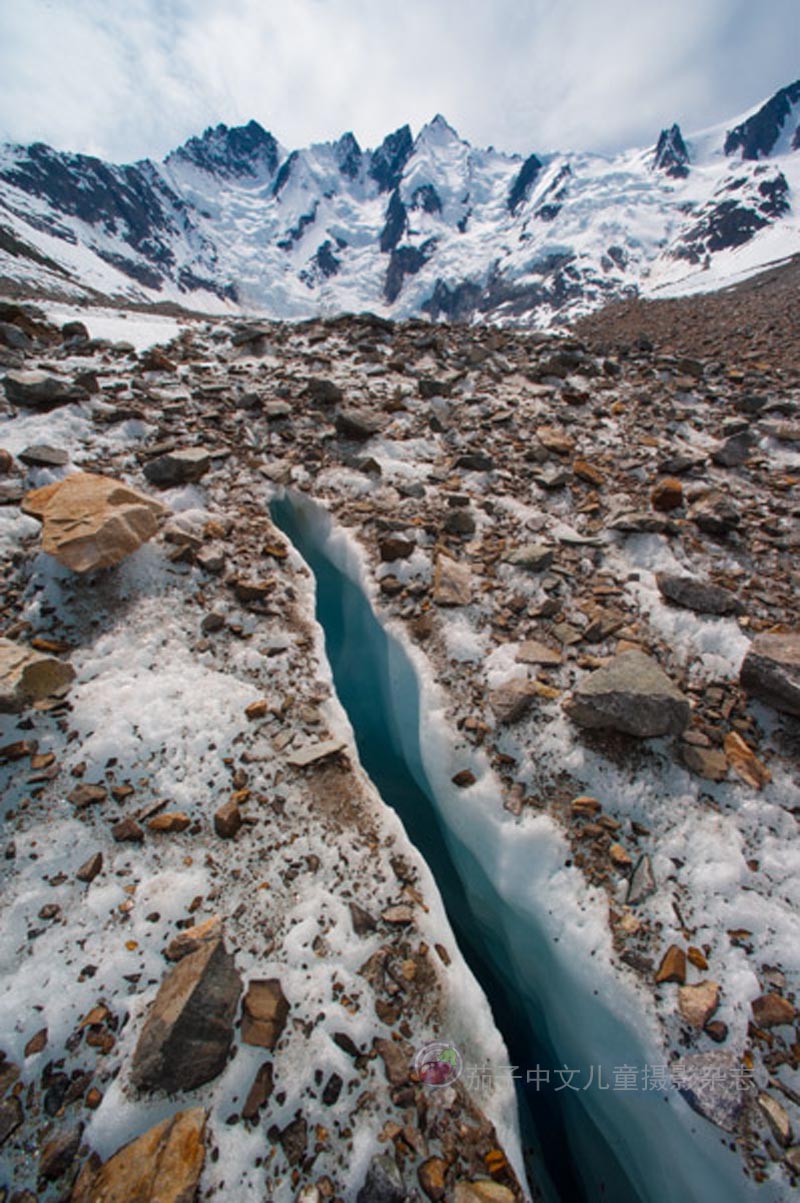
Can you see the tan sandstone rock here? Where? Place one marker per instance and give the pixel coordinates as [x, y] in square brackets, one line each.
[163, 1163]
[28, 676]
[92, 521]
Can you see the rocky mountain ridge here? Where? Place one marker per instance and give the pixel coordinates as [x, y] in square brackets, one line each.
[424, 225]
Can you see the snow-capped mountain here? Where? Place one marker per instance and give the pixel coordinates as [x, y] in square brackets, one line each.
[419, 226]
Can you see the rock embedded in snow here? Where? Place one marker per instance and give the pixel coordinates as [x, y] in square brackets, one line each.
[673, 966]
[711, 1085]
[770, 671]
[708, 763]
[178, 467]
[28, 676]
[699, 596]
[533, 652]
[163, 1164]
[393, 547]
[772, 1010]
[698, 1003]
[228, 819]
[452, 582]
[776, 1117]
[642, 883]
[535, 557]
[91, 521]
[40, 455]
[265, 1009]
[384, 1182]
[716, 515]
[432, 1175]
[482, 1191]
[188, 1032]
[260, 1092]
[358, 424]
[38, 390]
[512, 700]
[11, 1116]
[631, 694]
[58, 1154]
[310, 754]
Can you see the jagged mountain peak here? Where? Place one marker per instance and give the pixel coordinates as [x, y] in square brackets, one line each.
[671, 155]
[776, 121]
[438, 131]
[230, 151]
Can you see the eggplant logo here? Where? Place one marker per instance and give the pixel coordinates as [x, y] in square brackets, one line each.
[438, 1063]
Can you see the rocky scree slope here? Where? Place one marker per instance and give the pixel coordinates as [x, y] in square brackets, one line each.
[219, 951]
[420, 225]
[594, 553]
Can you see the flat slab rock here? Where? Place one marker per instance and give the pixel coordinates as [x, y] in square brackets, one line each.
[178, 467]
[38, 390]
[700, 596]
[91, 521]
[711, 1084]
[29, 676]
[631, 694]
[163, 1163]
[452, 582]
[309, 754]
[188, 1032]
[771, 671]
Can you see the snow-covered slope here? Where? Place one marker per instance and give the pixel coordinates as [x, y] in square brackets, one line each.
[418, 226]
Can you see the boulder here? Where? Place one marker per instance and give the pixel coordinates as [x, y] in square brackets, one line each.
[37, 390]
[633, 695]
[188, 1032]
[711, 1083]
[92, 521]
[178, 467]
[452, 582]
[771, 671]
[700, 596]
[384, 1182]
[512, 700]
[357, 424]
[28, 676]
[162, 1164]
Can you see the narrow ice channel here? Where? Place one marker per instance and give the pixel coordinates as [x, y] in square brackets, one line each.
[521, 921]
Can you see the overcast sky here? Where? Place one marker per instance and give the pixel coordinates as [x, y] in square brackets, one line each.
[137, 77]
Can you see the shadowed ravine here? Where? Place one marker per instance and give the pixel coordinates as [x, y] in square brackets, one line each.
[370, 672]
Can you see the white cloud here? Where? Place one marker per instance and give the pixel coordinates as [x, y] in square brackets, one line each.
[128, 80]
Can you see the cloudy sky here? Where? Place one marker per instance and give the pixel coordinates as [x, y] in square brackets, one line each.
[125, 80]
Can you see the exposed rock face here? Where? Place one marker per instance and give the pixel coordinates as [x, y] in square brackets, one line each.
[28, 676]
[632, 695]
[162, 1164]
[38, 390]
[188, 1033]
[91, 521]
[771, 671]
[700, 596]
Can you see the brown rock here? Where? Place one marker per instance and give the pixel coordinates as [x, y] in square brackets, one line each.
[188, 1032]
[90, 868]
[264, 1013]
[771, 1010]
[171, 821]
[587, 471]
[673, 966]
[228, 820]
[697, 1004]
[532, 652]
[192, 938]
[294, 1139]
[512, 700]
[744, 761]
[91, 521]
[87, 795]
[482, 1191]
[28, 676]
[11, 1116]
[431, 1175]
[161, 1166]
[667, 494]
[36, 1043]
[708, 763]
[59, 1153]
[463, 778]
[777, 1118]
[394, 548]
[127, 831]
[396, 1059]
[259, 1093]
[452, 582]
